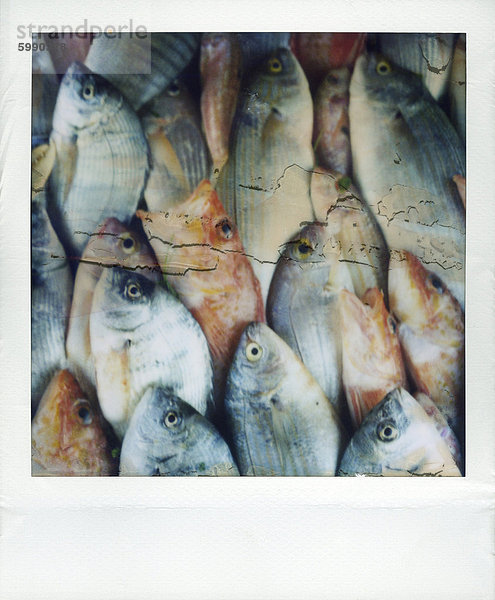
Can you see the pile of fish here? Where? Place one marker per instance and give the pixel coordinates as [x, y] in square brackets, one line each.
[248, 255]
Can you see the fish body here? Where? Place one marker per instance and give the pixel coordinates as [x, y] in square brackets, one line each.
[44, 94]
[372, 363]
[142, 335]
[302, 307]
[142, 66]
[431, 333]
[220, 68]
[67, 433]
[51, 284]
[201, 255]
[268, 170]
[166, 436]
[172, 125]
[113, 246]
[280, 420]
[405, 153]
[102, 157]
[397, 438]
[331, 134]
[320, 52]
[428, 55]
[457, 87]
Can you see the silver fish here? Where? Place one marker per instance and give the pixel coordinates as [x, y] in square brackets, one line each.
[268, 170]
[280, 420]
[405, 153]
[166, 436]
[256, 47]
[398, 438]
[102, 157]
[142, 335]
[426, 54]
[142, 66]
[45, 89]
[179, 156]
[114, 245]
[51, 285]
[457, 88]
[302, 307]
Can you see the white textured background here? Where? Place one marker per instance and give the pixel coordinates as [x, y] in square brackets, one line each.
[350, 539]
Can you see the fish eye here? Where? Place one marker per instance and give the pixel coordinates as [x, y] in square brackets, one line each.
[274, 65]
[392, 325]
[128, 243]
[303, 249]
[387, 432]
[253, 352]
[171, 419]
[383, 68]
[133, 290]
[84, 413]
[436, 283]
[88, 91]
[173, 89]
[226, 228]
[333, 79]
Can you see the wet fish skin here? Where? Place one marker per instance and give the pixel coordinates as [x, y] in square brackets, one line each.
[113, 245]
[431, 333]
[68, 433]
[270, 160]
[142, 335]
[179, 155]
[142, 67]
[166, 436]
[302, 306]
[429, 55]
[102, 157]
[331, 133]
[220, 68]
[372, 363]
[51, 283]
[397, 438]
[405, 153]
[203, 260]
[279, 418]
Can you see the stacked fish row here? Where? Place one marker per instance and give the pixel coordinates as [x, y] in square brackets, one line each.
[211, 295]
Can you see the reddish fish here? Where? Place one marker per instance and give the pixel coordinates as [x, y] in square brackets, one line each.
[431, 333]
[372, 362]
[220, 65]
[67, 433]
[331, 141]
[114, 245]
[320, 52]
[200, 252]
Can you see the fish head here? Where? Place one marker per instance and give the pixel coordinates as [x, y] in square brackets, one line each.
[334, 87]
[258, 365]
[194, 234]
[419, 298]
[174, 103]
[84, 99]
[279, 84]
[123, 299]
[114, 244]
[306, 249]
[377, 79]
[67, 427]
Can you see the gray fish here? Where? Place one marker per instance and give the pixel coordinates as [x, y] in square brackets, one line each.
[280, 420]
[166, 436]
[51, 285]
[256, 47]
[405, 153]
[457, 88]
[142, 67]
[270, 159]
[102, 157]
[426, 54]
[398, 438]
[45, 89]
[141, 335]
[179, 156]
[302, 306]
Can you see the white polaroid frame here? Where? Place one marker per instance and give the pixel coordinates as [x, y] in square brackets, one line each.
[248, 538]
